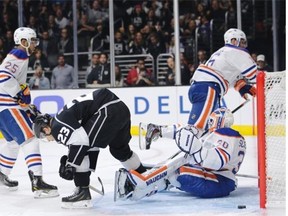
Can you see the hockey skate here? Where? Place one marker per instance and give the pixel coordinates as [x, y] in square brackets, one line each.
[81, 198]
[40, 188]
[11, 184]
[152, 134]
[123, 187]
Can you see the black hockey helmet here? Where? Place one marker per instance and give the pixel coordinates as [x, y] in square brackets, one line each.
[40, 122]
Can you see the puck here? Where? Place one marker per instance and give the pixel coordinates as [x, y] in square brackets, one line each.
[241, 206]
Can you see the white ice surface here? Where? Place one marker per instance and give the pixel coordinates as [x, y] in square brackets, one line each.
[21, 202]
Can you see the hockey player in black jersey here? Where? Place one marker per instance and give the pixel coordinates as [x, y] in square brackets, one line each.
[89, 122]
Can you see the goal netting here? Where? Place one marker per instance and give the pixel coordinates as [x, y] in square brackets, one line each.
[271, 125]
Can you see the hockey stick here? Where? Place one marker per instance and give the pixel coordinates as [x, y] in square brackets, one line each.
[101, 192]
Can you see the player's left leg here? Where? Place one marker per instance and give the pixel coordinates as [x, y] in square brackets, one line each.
[201, 183]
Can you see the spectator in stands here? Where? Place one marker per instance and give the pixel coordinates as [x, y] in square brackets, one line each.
[171, 72]
[140, 75]
[7, 21]
[101, 39]
[254, 56]
[49, 48]
[38, 59]
[171, 46]
[120, 46]
[204, 33]
[189, 30]
[2, 47]
[155, 46]
[202, 57]
[119, 80]
[94, 63]
[262, 64]
[151, 18]
[100, 74]
[130, 34]
[95, 14]
[38, 80]
[61, 20]
[138, 46]
[53, 29]
[137, 17]
[33, 24]
[63, 75]
[85, 31]
[65, 45]
[9, 40]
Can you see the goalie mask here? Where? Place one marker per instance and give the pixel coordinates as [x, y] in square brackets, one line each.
[236, 34]
[40, 122]
[220, 118]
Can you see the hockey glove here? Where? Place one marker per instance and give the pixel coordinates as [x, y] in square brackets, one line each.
[245, 89]
[24, 97]
[32, 112]
[186, 139]
[66, 171]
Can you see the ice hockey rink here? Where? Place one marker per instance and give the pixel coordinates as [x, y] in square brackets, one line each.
[174, 202]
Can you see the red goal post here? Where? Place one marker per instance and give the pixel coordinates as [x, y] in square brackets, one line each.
[271, 131]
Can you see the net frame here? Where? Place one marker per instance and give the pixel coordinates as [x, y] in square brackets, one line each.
[271, 119]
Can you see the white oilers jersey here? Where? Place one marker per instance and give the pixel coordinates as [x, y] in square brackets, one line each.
[226, 66]
[13, 72]
[223, 152]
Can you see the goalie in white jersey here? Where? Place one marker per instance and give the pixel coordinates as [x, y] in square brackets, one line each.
[207, 170]
[15, 124]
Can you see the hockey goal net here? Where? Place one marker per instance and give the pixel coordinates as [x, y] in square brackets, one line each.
[271, 120]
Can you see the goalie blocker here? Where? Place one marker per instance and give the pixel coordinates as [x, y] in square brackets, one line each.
[205, 169]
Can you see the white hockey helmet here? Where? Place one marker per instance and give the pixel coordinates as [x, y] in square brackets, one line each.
[237, 34]
[220, 118]
[25, 33]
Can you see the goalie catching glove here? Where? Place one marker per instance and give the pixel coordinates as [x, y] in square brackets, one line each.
[186, 139]
[24, 97]
[243, 88]
[66, 171]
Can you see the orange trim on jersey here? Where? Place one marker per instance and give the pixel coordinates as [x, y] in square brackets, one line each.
[194, 171]
[144, 178]
[22, 122]
[6, 162]
[201, 123]
[226, 83]
[223, 153]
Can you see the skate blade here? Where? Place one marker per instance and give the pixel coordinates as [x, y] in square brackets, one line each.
[40, 194]
[84, 204]
[142, 135]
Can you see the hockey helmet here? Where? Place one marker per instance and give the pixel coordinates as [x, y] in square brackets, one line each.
[237, 34]
[219, 118]
[41, 121]
[27, 34]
